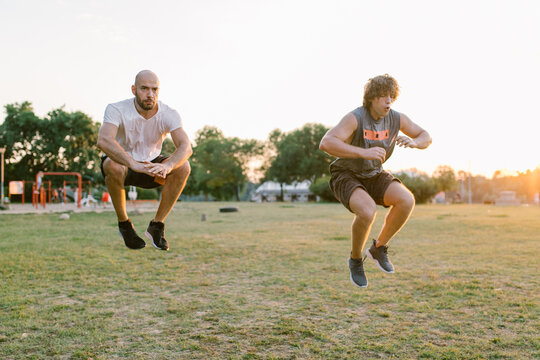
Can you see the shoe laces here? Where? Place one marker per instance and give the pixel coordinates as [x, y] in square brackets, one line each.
[158, 225]
[358, 264]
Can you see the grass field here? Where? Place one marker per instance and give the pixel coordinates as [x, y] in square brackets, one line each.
[271, 282]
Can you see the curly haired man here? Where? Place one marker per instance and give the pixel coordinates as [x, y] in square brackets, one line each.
[362, 141]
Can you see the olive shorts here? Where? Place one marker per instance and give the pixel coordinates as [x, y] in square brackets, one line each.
[343, 183]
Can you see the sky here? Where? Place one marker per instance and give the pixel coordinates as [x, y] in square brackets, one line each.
[469, 71]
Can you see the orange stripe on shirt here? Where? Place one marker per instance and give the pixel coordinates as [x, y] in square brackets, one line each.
[376, 135]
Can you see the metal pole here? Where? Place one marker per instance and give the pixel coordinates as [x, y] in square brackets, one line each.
[2, 150]
[470, 195]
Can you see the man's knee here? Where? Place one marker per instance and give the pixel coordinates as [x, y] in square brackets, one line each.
[410, 201]
[363, 206]
[366, 213]
[113, 170]
[406, 200]
[181, 172]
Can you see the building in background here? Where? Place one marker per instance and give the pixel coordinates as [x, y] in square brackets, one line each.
[507, 198]
[271, 191]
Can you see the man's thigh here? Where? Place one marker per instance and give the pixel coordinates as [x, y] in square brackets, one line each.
[110, 167]
[343, 185]
[361, 202]
[143, 180]
[397, 192]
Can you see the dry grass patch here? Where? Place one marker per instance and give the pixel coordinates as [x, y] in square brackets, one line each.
[271, 282]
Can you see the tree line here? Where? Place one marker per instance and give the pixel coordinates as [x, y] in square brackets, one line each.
[222, 166]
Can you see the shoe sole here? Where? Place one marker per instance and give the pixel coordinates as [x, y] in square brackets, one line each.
[355, 284]
[147, 234]
[368, 253]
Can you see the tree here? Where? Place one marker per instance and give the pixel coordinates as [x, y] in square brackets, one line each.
[445, 178]
[525, 184]
[168, 147]
[61, 141]
[219, 164]
[322, 189]
[19, 133]
[421, 185]
[296, 155]
[72, 144]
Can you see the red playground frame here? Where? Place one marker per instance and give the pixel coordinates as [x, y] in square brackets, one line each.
[40, 189]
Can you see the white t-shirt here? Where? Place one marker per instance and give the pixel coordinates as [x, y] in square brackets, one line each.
[139, 137]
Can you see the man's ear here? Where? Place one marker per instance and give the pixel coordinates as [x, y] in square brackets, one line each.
[133, 89]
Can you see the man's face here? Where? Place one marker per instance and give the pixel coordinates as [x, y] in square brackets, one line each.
[380, 106]
[146, 93]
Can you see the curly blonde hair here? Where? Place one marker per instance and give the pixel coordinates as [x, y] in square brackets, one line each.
[378, 86]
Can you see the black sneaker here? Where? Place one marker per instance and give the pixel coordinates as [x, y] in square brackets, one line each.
[380, 255]
[358, 276]
[155, 232]
[131, 239]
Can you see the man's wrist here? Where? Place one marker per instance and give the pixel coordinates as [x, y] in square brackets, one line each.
[131, 163]
[169, 166]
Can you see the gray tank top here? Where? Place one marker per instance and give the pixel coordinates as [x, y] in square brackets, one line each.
[370, 133]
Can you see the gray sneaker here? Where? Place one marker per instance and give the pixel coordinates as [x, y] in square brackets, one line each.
[380, 255]
[358, 276]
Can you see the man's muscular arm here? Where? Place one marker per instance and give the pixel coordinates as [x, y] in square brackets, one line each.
[178, 157]
[416, 136]
[108, 144]
[337, 142]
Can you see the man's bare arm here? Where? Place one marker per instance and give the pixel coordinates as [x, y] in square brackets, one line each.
[177, 158]
[416, 136]
[337, 142]
[108, 144]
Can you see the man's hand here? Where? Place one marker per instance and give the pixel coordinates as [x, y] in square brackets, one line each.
[375, 153]
[415, 136]
[158, 169]
[140, 167]
[406, 142]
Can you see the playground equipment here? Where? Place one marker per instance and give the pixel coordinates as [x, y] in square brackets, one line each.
[16, 188]
[2, 151]
[65, 182]
[38, 191]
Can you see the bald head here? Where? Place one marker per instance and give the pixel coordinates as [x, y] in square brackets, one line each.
[146, 75]
[146, 90]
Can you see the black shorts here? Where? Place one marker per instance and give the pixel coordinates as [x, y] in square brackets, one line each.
[136, 178]
[343, 183]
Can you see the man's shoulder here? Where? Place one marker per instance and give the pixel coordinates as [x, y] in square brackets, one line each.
[359, 111]
[115, 112]
[166, 109]
[394, 114]
[122, 105]
[168, 113]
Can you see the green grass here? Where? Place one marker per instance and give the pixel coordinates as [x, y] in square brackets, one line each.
[271, 282]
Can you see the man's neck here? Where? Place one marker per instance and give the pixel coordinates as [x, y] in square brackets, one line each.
[374, 116]
[147, 114]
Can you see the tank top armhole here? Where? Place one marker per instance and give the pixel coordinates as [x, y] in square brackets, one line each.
[397, 116]
[359, 126]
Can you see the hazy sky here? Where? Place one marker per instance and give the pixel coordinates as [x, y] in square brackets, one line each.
[469, 70]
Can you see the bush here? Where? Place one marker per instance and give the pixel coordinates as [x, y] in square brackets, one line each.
[321, 188]
[147, 194]
[422, 186]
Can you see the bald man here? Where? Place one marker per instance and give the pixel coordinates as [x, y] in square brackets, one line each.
[131, 137]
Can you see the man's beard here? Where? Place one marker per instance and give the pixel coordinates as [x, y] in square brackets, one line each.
[143, 105]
